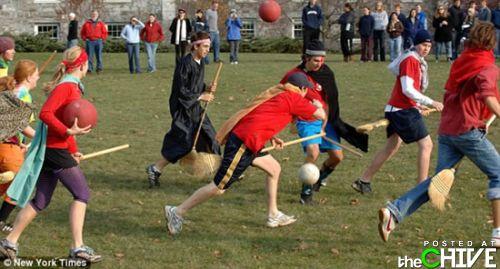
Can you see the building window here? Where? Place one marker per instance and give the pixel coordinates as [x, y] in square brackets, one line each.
[49, 29]
[248, 28]
[297, 28]
[115, 29]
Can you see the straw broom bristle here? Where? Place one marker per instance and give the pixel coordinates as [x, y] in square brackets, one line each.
[440, 187]
[200, 164]
[365, 128]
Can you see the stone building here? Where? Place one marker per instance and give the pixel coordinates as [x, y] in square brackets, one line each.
[50, 16]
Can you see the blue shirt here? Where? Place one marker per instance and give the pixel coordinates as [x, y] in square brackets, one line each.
[495, 18]
[131, 33]
[233, 28]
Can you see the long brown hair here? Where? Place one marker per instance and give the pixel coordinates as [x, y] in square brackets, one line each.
[70, 55]
[23, 69]
[445, 12]
[482, 36]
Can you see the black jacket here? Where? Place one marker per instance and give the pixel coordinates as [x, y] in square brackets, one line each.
[443, 32]
[366, 24]
[73, 30]
[456, 17]
[173, 28]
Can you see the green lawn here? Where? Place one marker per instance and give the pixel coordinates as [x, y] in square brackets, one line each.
[125, 219]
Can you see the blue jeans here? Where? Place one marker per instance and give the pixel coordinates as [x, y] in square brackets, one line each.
[214, 36]
[94, 47]
[71, 43]
[133, 56]
[451, 149]
[395, 45]
[497, 50]
[234, 47]
[439, 49]
[151, 51]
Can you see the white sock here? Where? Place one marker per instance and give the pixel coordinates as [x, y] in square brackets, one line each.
[156, 169]
[496, 232]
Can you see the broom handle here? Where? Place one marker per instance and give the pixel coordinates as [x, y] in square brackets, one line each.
[102, 152]
[490, 120]
[47, 62]
[293, 142]
[216, 79]
[342, 146]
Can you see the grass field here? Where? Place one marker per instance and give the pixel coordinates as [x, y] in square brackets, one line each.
[125, 219]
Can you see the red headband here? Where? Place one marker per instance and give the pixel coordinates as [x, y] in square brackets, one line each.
[76, 63]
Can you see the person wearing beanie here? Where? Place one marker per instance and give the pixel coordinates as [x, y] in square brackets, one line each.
[325, 93]
[471, 98]
[245, 135]
[403, 111]
[7, 52]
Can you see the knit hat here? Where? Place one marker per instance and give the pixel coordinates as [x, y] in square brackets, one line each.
[422, 36]
[315, 48]
[6, 43]
[300, 80]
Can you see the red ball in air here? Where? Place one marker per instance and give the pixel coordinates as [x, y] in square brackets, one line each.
[269, 11]
[81, 109]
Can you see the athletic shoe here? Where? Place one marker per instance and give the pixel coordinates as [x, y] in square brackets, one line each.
[85, 253]
[496, 241]
[5, 227]
[153, 176]
[174, 221]
[386, 224]
[236, 62]
[306, 199]
[280, 220]
[361, 187]
[8, 250]
[6, 177]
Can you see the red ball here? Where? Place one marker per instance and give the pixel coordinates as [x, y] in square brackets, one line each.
[81, 109]
[269, 11]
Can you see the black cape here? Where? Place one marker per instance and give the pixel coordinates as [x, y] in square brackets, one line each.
[326, 78]
[186, 110]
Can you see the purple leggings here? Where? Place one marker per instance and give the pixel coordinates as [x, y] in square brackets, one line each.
[72, 178]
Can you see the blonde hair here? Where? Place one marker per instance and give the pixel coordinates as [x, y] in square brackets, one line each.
[70, 55]
[23, 69]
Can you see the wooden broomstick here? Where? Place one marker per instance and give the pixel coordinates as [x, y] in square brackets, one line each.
[102, 152]
[47, 62]
[201, 164]
[441, 183]
[293, 142]
[343, 147]
[366, 128]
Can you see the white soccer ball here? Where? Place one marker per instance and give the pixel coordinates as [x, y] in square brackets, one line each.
[309, 174]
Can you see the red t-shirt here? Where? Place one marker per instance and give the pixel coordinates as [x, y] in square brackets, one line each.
[315, 93]
[465, 109]
[270, 117]
[409, 67]
[52, 113]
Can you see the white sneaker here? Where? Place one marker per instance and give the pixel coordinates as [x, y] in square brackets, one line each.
[174, 221]
[495, 238]
[386, 224]
[236, 62]
[280, 220]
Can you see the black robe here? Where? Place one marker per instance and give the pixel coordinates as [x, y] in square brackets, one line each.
[325, 77]
[186, 110]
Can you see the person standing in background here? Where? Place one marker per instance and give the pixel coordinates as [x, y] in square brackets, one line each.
[152, 35]
[395, 29]
[401, 15]
[422, 17]
[312, 19]
[180, 29]
[495, 19]
[7, 52]
[212, 20]
[72, 31]
[365, 24]
[200, 24]
[484, 12]
[442, 34]
[346, 22]
[233, 24]
[131, 34]
[94, 33]
[412, 26]
[381, 21]
[456, 15]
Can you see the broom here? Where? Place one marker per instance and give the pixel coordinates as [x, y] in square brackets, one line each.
[102, 152]
[201, 164]
[441, 183]
[366, 128]
[293, 142]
